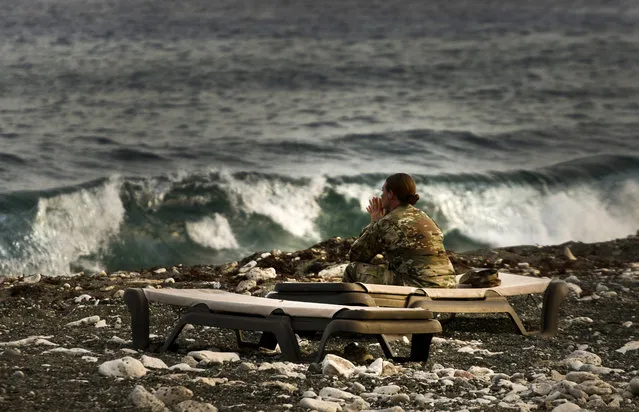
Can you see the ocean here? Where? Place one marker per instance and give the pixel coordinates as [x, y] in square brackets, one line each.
[144, 133]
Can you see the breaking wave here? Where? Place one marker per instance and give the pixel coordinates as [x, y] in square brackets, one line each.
[218, 216]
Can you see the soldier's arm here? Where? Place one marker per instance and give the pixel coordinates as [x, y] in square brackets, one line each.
[366, 246]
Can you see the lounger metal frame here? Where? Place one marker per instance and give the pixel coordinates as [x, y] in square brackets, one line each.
[491, 302]
[282, 327]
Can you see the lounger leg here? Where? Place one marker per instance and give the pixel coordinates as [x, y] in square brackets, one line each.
[138, 306]
[420, 347]
[287, 340]
[191, 316]
[556, 291]
[383, 343]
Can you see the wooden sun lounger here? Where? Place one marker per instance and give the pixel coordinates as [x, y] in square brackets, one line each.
[281, 319]
[453, 300]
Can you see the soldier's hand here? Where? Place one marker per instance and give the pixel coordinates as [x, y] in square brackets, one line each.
[375, 209]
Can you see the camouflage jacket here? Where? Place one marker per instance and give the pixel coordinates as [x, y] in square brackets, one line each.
[412, 245]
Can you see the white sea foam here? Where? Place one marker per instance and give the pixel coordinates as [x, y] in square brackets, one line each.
[293, 206]
[69, 226]
[510, 215]
[214, 233]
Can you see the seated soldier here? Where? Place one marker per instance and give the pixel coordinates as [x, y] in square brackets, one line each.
[401, 245]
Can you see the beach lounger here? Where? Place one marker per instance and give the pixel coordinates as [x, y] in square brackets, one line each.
[454, 300]
[281, 319]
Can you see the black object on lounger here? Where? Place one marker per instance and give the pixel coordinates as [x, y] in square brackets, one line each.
[454, 300]
[281, 319]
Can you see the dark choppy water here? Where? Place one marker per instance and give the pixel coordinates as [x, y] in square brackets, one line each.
[137, 133]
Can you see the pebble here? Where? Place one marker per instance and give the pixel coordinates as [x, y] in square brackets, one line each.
[207, 356]
[172, 395]
[387, 389]
[335, 365]
[245, 285]
[566, 407]
[261, 274]
[159, 271]
[126, 367]
[82, 298]
[141, 398]
[32, 278]
[320, 405]
[18, 374]
[333, 272]
[634, 345]
[194, 406]
[584, 357]
[250, 265]
[153, 363]
[91, 320]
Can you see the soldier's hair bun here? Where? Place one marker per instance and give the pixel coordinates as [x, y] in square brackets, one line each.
[412, 199]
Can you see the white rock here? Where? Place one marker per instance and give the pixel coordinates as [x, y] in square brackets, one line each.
[566, 407]
[288, 369]
[153, 363]
[119, 340]
[141, 398]
[599, 370]
[357, 387]
[91, 320]
[169, 281]
[32, 278]
[119, 294]
[72, 351]
[596, 387]
[265, 255]
[627, 324]
[581, 320]
[208, 356]
[159, 271]
[101, 324]
[210, 381]
[91, 359]
[320, 405]
[579, 377]
[335, 393]
[245, 285]
[585, 357]
[193, 406]
[633, 345]
[82, 298]
[334, 365]
[126, 367]
[333, 272]
[250, 265]
[387, 389]
[288, 387]
[185, 367]
[309, 394]
[481, 372]
[259, 274]
[376, 367]
[31, 340]
[576, 289]
[171, 395]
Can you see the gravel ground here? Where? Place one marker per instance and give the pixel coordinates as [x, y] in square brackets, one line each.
[599, 316]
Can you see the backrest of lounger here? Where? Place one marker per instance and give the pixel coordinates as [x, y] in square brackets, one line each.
[511, 285]
[218, 300]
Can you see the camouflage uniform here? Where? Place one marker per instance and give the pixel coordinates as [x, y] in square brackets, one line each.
[412, 248]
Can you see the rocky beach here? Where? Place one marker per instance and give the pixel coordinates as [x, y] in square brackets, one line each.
[65, 343]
